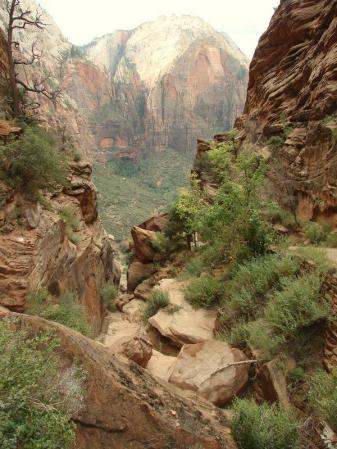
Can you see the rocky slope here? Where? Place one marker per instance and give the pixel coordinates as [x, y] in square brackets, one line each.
[172, 79]
[292, 86]
[126, 408]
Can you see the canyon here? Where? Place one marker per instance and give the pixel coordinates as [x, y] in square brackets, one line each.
[174, 378]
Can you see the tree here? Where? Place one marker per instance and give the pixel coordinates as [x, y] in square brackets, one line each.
[20, 19]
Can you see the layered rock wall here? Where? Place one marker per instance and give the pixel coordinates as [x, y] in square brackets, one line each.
[292, 87]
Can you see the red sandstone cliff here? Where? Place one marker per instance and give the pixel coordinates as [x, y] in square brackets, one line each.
[292, 83]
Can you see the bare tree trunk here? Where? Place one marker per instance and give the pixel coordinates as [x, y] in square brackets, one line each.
[12, 75]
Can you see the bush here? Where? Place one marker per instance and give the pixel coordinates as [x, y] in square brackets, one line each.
[297, 306]
[323, 396]
[277, 214]
[331, 240]
[36, 399]
[195, 267]
[314, 232]
[109, 293]
[205, 291]
[68, 311]
[251, 281]
[32, 162]
[72, 224]
[276, 143]
[264, 426]
[157, 301]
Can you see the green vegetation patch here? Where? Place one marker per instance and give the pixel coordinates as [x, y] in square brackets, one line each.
[37, 398]
[157, 301]
[68, 311]
[264, 426]
[32, 162]
[131, 192]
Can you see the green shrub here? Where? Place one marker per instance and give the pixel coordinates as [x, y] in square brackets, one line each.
[68, 311]
[195, 267]
[323, 396]
[157, 301]
[331, 240]
[314, 232]
[297, 305]
[205, 291]
[32, 162]
[264, 426]
[109, 293]
[72, 224]
[251, 281]
[296, 376]
[276, 214]
[37, 400]
[276, 143]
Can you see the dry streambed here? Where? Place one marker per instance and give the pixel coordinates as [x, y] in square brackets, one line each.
[177, 345]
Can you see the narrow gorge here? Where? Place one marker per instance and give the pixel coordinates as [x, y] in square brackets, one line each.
[168, 241]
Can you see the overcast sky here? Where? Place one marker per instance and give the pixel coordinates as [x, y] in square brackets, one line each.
[82, 20]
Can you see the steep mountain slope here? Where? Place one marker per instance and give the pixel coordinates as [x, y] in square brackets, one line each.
[292, 88]
[173, 79]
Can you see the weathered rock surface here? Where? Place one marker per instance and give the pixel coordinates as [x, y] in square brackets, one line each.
[138, 272]
[161, 365]
[36, 252]
[292, 83]
[175, 79]
[125, 408]
[210, 369]
[119, 330]
[271, 384]
[184, 324]
[142, 244]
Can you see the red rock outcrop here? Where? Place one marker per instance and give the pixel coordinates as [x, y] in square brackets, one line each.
[125, 407]
[292, 84]
[173, 80]
[36, 252]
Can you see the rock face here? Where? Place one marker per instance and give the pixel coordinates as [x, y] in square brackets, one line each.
[125, 408]
[36, 252]
[292, 83]
[209, 369]
[173, 79]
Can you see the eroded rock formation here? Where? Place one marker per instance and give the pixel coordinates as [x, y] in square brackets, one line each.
[173, 79]
[37, 253]
[292, 87]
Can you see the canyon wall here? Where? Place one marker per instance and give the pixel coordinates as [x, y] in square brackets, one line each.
[292, 93]
[36, 251]
[172, 80]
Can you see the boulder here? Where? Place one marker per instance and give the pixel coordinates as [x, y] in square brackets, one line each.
[157, 223]
[138, 349]
[161, 365]
[123, 300]
[212, 369]
[133, 310]
[33, 215]
[138, 272]
[142, 244]
[271, 385]
[119, 330]
[183, 324]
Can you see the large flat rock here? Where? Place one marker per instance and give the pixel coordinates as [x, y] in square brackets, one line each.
[186, 324]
